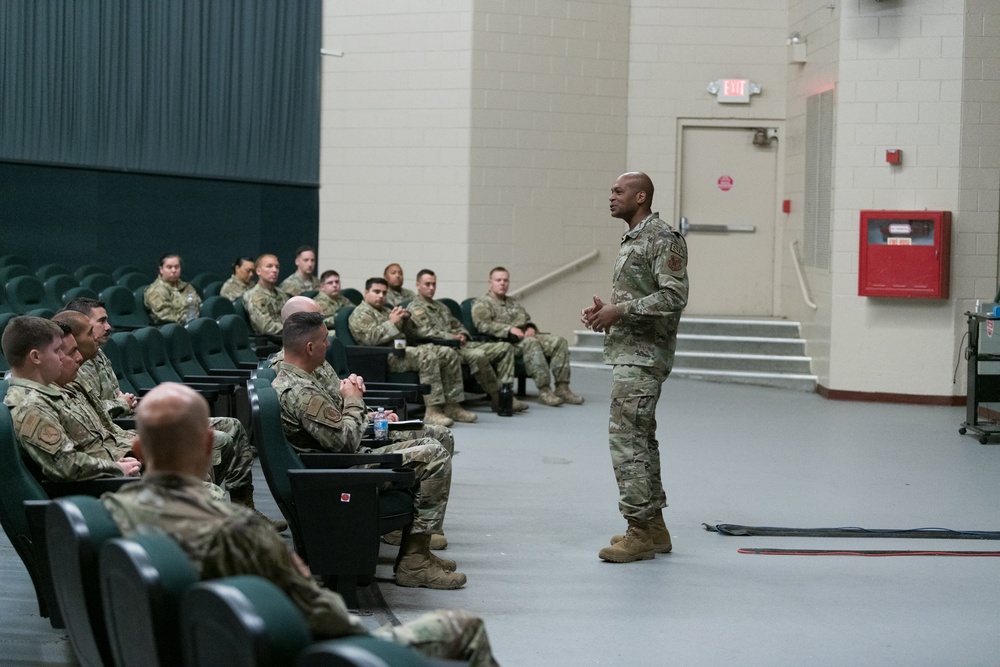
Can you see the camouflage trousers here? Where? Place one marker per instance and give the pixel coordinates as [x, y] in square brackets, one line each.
[442, 434]
[431, 464]
[232, 458]
[635, 453]
[492, 364]
[437, 366]
[535, 349]
[450, 634]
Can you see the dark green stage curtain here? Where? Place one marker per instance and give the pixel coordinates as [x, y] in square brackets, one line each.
[213, 88]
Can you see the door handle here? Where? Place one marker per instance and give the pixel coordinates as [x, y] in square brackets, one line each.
[715, 229]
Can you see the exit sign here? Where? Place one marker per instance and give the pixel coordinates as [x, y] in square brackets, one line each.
[733, 91]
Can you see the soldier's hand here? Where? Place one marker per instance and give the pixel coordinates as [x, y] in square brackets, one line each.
[602, 319]
[517, 332]
[130, 466]
[587, 314]
[350, 390]
[398, 314]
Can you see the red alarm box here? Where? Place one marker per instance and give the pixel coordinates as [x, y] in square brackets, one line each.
[905, 254]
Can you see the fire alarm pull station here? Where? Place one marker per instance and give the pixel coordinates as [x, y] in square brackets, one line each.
[905, 254]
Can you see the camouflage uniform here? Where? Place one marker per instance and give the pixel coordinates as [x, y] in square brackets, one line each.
[328, 379]
[330, 306]
[234, 288]
[495, 317]
[264, 308]
[432, 319]
[98, 378]
[225, 540]
[168, 303]
[395, 298]
[37, 411]
[650, 289]
[295, 284]
[437, 366]
[317, 419]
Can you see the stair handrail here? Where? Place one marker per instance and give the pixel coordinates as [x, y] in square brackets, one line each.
[552, 276]
[794, 248]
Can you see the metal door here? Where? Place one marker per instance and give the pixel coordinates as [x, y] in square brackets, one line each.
[727, 207]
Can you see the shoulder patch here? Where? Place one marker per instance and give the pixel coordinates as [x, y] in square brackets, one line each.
[674, 262]
[322, 411]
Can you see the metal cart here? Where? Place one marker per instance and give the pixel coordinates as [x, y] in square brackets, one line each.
[983, 356]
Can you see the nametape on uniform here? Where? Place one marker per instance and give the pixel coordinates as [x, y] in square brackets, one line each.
[345, 497]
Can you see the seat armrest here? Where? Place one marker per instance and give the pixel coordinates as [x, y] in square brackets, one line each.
[90, 487]
[446, 342]
[331, 461]
[243, 373]
[398, 477]
[127, 423]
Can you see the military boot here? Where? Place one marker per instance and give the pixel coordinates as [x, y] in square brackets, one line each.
[636, 545]
[659, 533]
[519, 406]
[563, 392]
[417, 567]
[244, 496]
[438, 541]
[459, 414]
[433, 415]
[548, 397]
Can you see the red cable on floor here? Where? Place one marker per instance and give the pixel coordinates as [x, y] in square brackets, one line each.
[844, 552]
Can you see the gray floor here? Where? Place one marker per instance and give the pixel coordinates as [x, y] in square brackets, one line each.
[533, 500]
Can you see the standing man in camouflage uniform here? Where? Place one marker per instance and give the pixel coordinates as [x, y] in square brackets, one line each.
[222, 540]
[303, 279]
[170, 299]
[430, 319]
[650, 289]
[240, 281]
[502, 317]
[262, 301]
[372, 324]
[329, 298]
[316, 419]
[396, 294]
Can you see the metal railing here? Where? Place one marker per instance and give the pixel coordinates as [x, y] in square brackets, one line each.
[555, 275]
[794, 247]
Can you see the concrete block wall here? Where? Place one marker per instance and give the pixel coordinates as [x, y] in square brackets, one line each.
[394, 166]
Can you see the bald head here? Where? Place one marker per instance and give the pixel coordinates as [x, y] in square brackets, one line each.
[631, 197]
[299, 304]
[172, 423]
[640, 182]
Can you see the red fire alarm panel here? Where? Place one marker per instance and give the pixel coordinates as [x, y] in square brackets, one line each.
[905, 254]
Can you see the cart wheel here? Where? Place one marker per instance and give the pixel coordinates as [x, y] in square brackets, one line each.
[983, 440]
[961, 430]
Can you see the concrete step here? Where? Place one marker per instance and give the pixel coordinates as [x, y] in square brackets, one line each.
[759, 351]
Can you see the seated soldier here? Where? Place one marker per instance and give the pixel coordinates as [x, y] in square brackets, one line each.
[330, 299]
[303, 279]
[502, 317]
[240, 281]
[430, 319]
[396, 294]
[96, 375]
[84, 420]
[316, 418]
[223, 540]
[262, 301]
[170, 299]
[34, 347]
[373, 324]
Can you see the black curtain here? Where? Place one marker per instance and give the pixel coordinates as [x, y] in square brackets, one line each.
[215, 88]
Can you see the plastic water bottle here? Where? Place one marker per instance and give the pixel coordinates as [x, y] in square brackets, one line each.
[190, 308]
[506, 408]
[381, 424]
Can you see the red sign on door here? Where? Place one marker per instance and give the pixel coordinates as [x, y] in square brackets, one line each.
[725, 183]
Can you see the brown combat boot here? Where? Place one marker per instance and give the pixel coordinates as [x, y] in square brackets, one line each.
[244, 496]
[563, 392]
[417, 567]
[658, 532]
[438, 542]
[459, 414]
[548, 397]
[636, 545]
[434, 415]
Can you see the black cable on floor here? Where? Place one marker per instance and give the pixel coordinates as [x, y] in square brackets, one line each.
[852, 531]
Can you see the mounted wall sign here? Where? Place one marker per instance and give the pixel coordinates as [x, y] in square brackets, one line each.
[733, 91]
